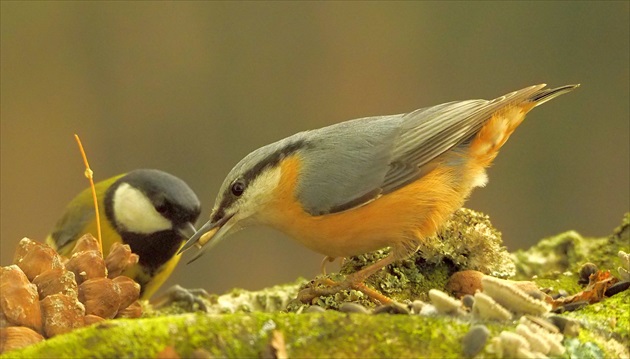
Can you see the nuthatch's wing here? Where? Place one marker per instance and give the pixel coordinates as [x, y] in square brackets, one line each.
[429, 132]
[352, 163]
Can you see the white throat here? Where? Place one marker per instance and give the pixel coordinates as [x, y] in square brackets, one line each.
[134, 212]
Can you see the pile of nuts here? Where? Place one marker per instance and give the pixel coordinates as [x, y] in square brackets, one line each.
[44, 294]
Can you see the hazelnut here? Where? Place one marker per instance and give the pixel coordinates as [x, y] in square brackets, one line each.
[17, 337]
[19, 301]
[57, 280]
[100, 296]
[24, 246]
[87, 265]
[91, 319]
[35, 258]
[119, 259]
[129, 290]
[464, 282]
[132, 311]
[62, 313]
[87, 242]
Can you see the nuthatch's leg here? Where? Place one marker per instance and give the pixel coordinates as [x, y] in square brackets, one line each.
[352, 281]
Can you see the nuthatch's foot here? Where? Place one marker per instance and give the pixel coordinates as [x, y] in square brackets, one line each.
[327, 260]
[352, 281]
[194, 299]
[325, 286]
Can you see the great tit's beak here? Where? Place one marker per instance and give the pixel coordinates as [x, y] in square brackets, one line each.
[209, 235]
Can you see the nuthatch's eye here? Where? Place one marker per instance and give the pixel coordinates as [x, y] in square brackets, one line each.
[237, 188]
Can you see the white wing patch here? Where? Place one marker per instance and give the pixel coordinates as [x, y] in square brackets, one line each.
[135, 213]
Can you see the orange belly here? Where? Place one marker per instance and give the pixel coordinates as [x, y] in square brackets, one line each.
[399, 218]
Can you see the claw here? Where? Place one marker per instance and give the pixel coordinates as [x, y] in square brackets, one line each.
[325, 286]
[352, 281]
[323, 265]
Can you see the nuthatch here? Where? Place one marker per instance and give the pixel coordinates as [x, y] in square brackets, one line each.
[369, 183]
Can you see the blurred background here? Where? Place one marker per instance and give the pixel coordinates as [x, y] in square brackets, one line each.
[192, 87]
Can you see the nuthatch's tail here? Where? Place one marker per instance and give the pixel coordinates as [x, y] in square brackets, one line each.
[496, 131]
[543, 96]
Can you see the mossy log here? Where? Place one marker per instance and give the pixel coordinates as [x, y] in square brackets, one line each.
[248, 332]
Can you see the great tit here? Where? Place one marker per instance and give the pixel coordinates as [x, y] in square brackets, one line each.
[152, 211]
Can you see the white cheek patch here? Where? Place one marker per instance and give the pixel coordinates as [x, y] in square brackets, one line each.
[135, 213]
[259, 192]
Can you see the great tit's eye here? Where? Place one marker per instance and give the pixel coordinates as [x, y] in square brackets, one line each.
[237, 188]
[162, 208]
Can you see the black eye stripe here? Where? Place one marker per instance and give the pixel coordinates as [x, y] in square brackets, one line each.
[273, 159]
[228, 197]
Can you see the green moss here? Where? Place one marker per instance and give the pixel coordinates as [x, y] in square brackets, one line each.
[567, 252]
[623, 231]
[270, 299]
[466, 241]
[241, 333]
[559, 281]
[246, 335]
[610, 316]
[469, 241]
[583, 349]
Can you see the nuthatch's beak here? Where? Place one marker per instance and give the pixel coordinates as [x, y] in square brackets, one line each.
[209, 235]
[187, 230]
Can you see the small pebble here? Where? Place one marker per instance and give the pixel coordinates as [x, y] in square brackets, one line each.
[417, 305]
[561, 294]
[585, 272]
[391, 308]
[444, 303]
[567, 326]
[315, 309]
[468, 301]
[474, 341]
[617, 288]
[428, 311]
[349, 307]
[536, 294]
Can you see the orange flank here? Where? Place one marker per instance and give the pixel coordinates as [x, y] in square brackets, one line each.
[399, 218]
